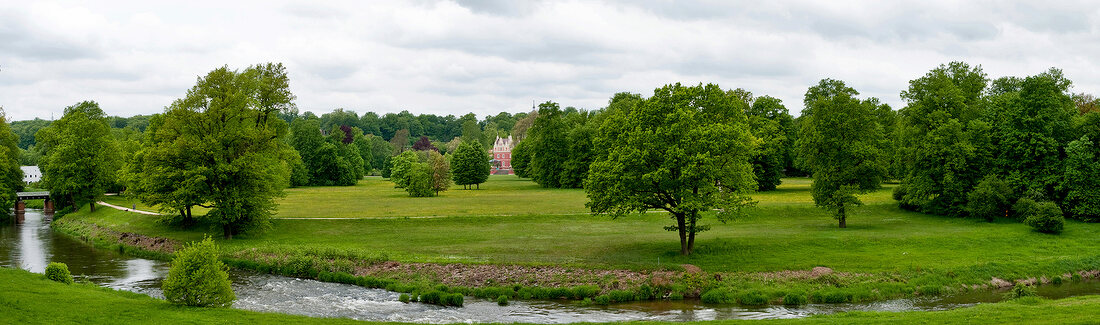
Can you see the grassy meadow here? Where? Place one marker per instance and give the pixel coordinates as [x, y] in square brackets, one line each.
[514, 221]
[31, 299]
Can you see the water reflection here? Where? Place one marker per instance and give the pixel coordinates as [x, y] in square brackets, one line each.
[31, 245]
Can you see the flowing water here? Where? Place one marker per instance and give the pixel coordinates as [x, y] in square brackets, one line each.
[31, 244]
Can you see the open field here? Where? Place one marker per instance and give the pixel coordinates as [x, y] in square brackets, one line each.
[783, 233]
[31, 299]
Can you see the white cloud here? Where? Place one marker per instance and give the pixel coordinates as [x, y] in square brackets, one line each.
[489, 56]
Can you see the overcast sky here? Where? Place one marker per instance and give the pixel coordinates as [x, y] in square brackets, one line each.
[485, 57]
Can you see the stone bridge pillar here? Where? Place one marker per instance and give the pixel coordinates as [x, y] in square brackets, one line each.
[48, 206]
[20, 206]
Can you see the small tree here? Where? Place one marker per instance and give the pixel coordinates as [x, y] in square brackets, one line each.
[441, 171]
[198, 277]
[990, 199]
[521, 159]
[424, 144]
[420, 181]
[471, 164]
[399, 173]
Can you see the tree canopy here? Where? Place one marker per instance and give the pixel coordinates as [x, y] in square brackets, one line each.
[80, 157]
[841, 142]
[470, 164]
[685, 150]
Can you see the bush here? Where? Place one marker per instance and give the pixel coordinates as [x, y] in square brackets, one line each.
[404, 298]
[454, 299]
[602, 300]
[719, 296]
[753, 298]
[1057, 280]
[198, 278]
[502, 300]
[794, 299]
[581, 292]
[989, 199]
[621, 295]
[1024, 207]
[1047, 218]
[834, 296]
[59, 272]
[433, 297]
[1020, 291]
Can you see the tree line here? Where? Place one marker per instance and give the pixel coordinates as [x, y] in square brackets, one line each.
[963, 145]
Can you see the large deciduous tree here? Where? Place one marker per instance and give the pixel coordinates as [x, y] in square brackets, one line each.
[685, 150]
[840, 139]
[470, 164]
[1081, 180]
[944, 143]
[11, 177]
[80, 157]
[228, 132]
[549, 145]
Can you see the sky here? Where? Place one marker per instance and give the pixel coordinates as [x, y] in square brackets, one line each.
[485, 57]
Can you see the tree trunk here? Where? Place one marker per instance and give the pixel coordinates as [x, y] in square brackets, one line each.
[188, 220]
[841, 215]
[91, 206]
[227, 231]
[691, 232]
[683, 234]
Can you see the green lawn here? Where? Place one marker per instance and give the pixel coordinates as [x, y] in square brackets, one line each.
[31, 299]
[514, 221]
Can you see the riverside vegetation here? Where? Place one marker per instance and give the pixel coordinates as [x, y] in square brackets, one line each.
[765, 257]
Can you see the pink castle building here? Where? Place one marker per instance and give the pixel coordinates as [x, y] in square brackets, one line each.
[502, 156]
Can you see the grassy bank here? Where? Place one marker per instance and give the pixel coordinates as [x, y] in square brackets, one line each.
[31, 299]
[886, 252]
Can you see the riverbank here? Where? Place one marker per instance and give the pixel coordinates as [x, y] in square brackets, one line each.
[31, 299]
[764, 258]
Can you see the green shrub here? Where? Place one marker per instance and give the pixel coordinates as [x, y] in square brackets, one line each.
[794, 299]
[1057, 280]
[719, 296]
[560, 293]
[1076, 277]
[1019, 291]
[198, 278]
[602, 300]
[834, 296]
[1024, 207]
[989, 199]
[454, 299]
[621, 295]
[433, 297]
[753, 298]
[1047, 218]
[502, 300]
[59, 272]
[581, 292]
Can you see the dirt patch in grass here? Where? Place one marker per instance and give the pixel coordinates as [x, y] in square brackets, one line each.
[149, 243]
[480, 275]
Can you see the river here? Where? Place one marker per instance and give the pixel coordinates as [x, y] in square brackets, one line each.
[31, 245]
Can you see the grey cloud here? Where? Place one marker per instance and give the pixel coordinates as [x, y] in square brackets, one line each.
[499, 7]
[19, 39]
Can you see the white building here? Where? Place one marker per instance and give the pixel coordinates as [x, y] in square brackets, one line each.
[31, 174]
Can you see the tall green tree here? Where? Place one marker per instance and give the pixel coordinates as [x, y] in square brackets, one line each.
[470, 164]
[1032, 121]
[228, 125]
[685, 150]
[80, 157]
[441, 171]
[1081, 180]
[841, 142]
[402, 166]
[769, 121]
[549, 145]
[11, 177]
[945, 145]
